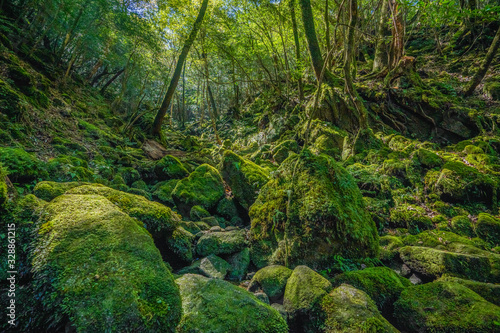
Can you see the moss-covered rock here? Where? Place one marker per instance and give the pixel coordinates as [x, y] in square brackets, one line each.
[92, 262]
[244, 177]
[272, 279]
[180, 243]
[347, 309]
[197, 213]
[227, 209]
[304, 289]
[321, 209]
[224, 242]
[462, 225]
[214, 267]
[163, 191]
[428, 159]
[22, 166]
[239, 265]
[458, 182]
[48, 190]
[382, 284]
[203, 187]
[488, 291]
[169, 167]
[412, 217]
[388, 247]
[434, 263]
[445, 307]
[157, 219]
[488, 228]
[213, 305]
[281, 151]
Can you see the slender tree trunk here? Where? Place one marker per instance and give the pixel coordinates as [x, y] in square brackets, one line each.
[175, 79]
[481, 72]
[297, 47]
[120, 72]
[397, 44]
[327, 27]
[380, 60]
[69, 34]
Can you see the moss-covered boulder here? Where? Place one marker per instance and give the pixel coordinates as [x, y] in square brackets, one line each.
[214, 267]
[204, 187]
[310, 212]
[163, 191]
[239, 265]
[462, 225]
[488, 291]
[169, 167]
[428, 159]
[445, 307]
[244, 177]
[197, 213]
[411, 217]
[157, 218]
[272, 280]
[180, 244]
[282, 150]
[488, 228]
[350, 310]
[97, 269]
[221, 242]
[48, 190]
[389, 246]
[304, 290]
[382, 284]
[213, 305]
[434, 263]
[458, 182]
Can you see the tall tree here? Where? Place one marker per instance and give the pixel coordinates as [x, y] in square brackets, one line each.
[481, 72]
[178, 70]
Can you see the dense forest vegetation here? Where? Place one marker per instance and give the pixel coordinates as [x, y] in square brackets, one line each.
[250, 166]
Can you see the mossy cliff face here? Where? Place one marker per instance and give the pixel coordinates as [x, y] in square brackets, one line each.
[98, 269]
[204, 187]
[244, 177]
[445, 307]
[213, 305]
[309, 212]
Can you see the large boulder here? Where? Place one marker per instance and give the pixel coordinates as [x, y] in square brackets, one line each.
[309, 213]
[204, 187]
[244, 177]
[221, 242]
[213, 305]
[49, 190]
[489, 291]
[169, 167]
[445, 307]
[488, 228]
[382, 284]
[97, 269]
[272, 280]
[349, 310]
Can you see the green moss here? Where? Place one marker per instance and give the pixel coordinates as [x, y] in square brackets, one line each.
[488, 228]
[163, 191]
[489, 291]
[224, 242]
[170, 167]
[213, 305]
[471, 149]
[462, 225]
[347, 309]
[445, 307]
[412, 217]
[22, 166]
[180, 243]
[304, 289]
[129, 175]
[214, 267]
[49, 190]
[428, 159]
[157, 218]
[11, 102]
[388, 247]
[244, 177]
[434, 263]
[203, 187]
[382, 284]
[492, 88]
[239, 265]
[272, 280]
[457, 182]
[281, 151]
[227, 209]
[322, 210]
[92, 262]
[3, 185]
[197, 213]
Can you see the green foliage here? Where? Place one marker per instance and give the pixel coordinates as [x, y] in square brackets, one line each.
[22, 166]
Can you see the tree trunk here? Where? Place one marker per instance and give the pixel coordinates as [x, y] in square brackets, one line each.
[481, 72]
[120, 72]
[397, 44]
[297, 47]
[178, 68]
[380, 61]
